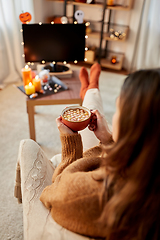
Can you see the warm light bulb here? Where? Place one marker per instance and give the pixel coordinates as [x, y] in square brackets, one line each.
[23, 55]
[28, 63]
[43, 61]
[86, 48]
[75, 61]
[53, 62]
[75, 22]
[32, 63]
[87, 24]
[40, 23]
[85, 59]
[22, 43]
[21, 30]
[52, 22]
[64, 62]
[86, 36]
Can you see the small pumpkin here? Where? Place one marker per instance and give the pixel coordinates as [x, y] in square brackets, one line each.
[25, 17]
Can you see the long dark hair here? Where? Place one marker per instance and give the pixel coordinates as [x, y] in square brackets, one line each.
[133, 212]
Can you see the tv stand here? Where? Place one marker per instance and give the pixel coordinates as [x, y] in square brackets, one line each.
[56, 69]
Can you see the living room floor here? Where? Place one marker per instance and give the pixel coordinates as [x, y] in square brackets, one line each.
[14, 128]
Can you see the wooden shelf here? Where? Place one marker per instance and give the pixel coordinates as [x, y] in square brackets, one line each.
[107, 63]
[120, 8]
[106, 36]
[88, 64]
[86, 4]
[93, 34]
[100, 5]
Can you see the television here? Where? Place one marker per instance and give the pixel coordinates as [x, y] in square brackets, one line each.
[54, 42]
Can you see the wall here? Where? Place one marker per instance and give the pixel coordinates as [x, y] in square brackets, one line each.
[44, 8]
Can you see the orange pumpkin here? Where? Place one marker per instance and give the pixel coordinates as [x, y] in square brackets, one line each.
[25, 17]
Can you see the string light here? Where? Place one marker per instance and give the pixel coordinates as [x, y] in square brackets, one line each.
[85, 59]
[87, 24]
[22, 43]
[53, 62]
[86, 36]
[75, 22]
[23, 55]
[52, 22]
[21, 30]
[64, 62]
[32, 63]
[43, 61]
[40, 23]
[75, 61]
[29, 63]
[86, 48]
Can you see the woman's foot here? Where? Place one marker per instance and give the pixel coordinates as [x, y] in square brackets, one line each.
[94, 76]
[83, 76]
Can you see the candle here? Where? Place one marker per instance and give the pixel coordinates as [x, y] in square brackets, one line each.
[29, 89]
[37, 83]
[26, 74]
[114, 59]
[110, 2]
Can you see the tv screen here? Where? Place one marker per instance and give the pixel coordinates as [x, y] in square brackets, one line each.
[54, 42]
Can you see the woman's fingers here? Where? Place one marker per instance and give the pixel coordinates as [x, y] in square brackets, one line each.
[63, 129]
[102, 130]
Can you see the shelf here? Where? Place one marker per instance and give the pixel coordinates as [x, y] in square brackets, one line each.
[88, 65]
[86, 4]
[120, 8]
[106, 62]
[100, 5]
[93, 34]
[120, 30]
[106, 36]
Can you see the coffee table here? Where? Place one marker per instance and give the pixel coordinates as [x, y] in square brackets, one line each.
[70, 96]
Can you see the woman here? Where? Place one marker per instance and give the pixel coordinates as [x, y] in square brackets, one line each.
[112, 190]
[114, 194]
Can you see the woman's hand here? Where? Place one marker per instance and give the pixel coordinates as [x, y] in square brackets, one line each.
[101, 131]
[63, 129]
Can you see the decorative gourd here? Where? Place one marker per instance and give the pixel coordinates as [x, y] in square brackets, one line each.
[25, 17]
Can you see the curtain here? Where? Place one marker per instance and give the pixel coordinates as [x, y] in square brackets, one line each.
[147, 51]
[11, 49]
